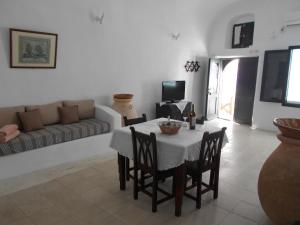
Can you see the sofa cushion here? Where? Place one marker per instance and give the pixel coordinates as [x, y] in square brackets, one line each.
[49, 112]
[8, 115]
[31, 120]
[54, 134]
[86, 108]
[68, 114]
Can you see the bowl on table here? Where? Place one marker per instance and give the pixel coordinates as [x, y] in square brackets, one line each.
[170, 127]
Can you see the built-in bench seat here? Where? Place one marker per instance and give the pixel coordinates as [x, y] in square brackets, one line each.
[56, 143]
[54, 134]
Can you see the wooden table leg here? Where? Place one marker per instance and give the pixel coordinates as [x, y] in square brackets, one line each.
[179, 188]
[121, 164]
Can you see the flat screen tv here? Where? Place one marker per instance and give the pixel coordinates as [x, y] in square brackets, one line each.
[173, 91]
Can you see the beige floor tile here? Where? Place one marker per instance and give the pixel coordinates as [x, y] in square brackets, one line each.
[69, 221]
[48, 216]
[234, 219]
[22, 221]
[9, 212]
[249, 211]
[207, 215]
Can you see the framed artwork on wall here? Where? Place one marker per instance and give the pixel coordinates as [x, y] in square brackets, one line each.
[274, 76]
[32, 49]
[242, 35]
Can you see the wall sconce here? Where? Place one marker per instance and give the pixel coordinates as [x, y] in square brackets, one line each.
[192, 66]
[175, 36]
[97, 17]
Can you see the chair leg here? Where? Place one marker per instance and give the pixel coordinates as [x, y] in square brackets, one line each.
[212, 178]
[142, 180]
[127, 169]
[154, 194]
[216, 185]
[174, 185]
[135, 184]
[199, 189]
[193, 181]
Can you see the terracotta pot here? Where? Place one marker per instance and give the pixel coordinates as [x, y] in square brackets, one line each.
[123, 104]
[279, 179]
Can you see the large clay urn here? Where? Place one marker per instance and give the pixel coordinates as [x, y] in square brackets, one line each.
[279, 179]
[123, 104]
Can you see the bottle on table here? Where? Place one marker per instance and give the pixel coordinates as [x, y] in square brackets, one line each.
[192, 118]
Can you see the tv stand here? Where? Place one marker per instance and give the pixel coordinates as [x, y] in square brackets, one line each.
[176, 110]
[172, 101]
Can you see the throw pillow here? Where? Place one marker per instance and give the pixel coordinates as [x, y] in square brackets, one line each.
[31, 120]
[86, 108]
[69, 114]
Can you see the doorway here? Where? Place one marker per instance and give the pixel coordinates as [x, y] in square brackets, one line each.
[231, 89]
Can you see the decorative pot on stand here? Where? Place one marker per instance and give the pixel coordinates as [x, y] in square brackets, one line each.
[123, 104]
[279, 179]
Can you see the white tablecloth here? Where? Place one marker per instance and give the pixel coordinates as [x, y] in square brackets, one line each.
[172, 150]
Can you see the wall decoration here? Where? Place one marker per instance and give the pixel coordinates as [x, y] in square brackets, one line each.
[31, 49]
[175, 36]
[242, 35]
[274, 75]
[192, 66]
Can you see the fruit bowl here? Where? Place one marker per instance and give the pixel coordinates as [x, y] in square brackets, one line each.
[170, 127]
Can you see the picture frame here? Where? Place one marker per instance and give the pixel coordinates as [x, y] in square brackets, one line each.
[275, 72]
[242, 35]
[32, 49]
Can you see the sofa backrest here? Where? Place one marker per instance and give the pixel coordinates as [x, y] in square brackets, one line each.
[86, 108]
[49, 112]
[8, 115]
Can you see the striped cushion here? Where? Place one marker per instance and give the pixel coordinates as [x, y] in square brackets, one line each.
[54, 134]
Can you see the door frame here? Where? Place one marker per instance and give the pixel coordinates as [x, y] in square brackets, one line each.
[221, 65]
[207, 83]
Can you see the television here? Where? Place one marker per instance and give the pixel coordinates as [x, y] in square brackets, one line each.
[173, 91]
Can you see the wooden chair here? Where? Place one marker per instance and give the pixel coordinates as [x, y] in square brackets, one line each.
[209, 160]
[145, 161]
[129, 122]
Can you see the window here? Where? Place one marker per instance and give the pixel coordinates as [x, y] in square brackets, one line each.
[274, 77]
[292, 92]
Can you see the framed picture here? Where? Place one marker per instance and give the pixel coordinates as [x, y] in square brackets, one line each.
[31, 49]
[242, 35]
[274, 76]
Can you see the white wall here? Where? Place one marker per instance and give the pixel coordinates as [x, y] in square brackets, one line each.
[131, 52]
[269, 16]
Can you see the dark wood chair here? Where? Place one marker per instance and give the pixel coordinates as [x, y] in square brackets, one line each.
[145, 161]
[209, 160]
[129, 122]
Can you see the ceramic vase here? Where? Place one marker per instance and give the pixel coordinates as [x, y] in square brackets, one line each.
[279, 179]
[123, 103]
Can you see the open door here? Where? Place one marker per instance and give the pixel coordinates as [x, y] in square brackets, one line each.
[245, 90]
[212, 89]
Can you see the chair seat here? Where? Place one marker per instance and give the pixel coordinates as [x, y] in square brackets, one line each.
[192, 168]
[162, 174]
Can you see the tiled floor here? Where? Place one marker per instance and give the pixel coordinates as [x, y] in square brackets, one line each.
[90, 194]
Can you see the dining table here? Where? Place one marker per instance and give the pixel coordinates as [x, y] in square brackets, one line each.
[172, 150]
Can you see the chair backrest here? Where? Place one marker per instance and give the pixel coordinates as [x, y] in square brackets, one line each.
[144, 151]
[210, 152]
[128, 122]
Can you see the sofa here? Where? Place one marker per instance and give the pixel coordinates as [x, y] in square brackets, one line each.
[56, 143]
